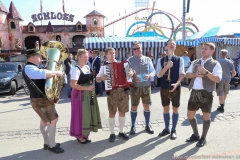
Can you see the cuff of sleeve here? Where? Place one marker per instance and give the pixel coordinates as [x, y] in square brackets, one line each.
[44, 75]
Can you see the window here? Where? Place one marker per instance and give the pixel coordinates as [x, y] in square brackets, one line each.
[31, 28]
[79, 28]
[95, 21]
[12, 25]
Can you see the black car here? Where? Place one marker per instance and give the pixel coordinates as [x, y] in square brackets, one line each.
[11, 76]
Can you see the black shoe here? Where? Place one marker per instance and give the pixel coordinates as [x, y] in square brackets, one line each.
[201, 142]
[83, 141]
[112, 138]
[220, 109]
[149, 129]
[133, 130]
[56, 149]
[193, 138]
[45, 146]
[123, 135]
[173, 135]
[164, 133]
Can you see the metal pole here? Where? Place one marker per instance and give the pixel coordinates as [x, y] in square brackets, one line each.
[184, 21]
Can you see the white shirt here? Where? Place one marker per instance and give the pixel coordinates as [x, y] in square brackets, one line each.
[159, 67]
[198, 84]
[33, 72]
[75, 72]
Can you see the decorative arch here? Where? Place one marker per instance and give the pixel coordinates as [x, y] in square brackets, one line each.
[149, 18]
[154, 28]
[175, 33]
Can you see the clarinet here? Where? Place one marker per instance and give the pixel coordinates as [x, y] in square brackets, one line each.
[93, 83]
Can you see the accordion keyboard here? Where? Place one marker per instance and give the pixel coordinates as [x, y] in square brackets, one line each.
[108, 82]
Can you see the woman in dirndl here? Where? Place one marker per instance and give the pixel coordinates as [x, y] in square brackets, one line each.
[85, 117]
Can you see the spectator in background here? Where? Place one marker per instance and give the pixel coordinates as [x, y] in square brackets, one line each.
[223, 86]
[68, 64]
[152, 78]
[238, 68]
[96, 64]
[193, 57]
[128, 55]
[186, 65]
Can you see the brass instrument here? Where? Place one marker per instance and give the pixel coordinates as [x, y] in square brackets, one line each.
[169, 70]
[54, 52]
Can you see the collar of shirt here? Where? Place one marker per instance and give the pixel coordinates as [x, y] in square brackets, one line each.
[204, 61]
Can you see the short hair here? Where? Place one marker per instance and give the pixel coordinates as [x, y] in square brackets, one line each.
[81, 51]
[171, 40]
[211, 45]
[109, 49]
[96, 52]
[135, 43]
[224, 52]
[185, 52]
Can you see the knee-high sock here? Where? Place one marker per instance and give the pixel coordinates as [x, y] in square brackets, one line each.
[174, 121]
[121, 123]
[166, 120]
[147, 116]
[52, 131]
[193, 123]
[206, 125]
[133, 117]
[44, 132]
[112, 124]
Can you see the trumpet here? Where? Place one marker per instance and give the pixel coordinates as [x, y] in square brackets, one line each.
[169, 70]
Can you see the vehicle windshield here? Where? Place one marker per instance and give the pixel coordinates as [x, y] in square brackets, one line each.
[7, 68]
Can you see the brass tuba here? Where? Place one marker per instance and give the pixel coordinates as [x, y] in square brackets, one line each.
[55, 53]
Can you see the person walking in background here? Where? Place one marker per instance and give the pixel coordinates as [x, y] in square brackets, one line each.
[68, 64]
[96, 65]
[187, 61]
[85, 117]
[128, 55]
[228, 71]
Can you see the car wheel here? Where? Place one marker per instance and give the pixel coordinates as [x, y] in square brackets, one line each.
[13, 88]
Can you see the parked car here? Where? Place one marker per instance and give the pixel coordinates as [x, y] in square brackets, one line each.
[11, 76]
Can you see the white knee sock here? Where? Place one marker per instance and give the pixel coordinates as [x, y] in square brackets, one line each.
[44, 134]
[112, 124]
[121, 123]
[52, 131]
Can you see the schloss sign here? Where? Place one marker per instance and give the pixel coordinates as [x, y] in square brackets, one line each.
[52, 16]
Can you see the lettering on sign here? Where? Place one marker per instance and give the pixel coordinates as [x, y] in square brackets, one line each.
[52, 16]
[138, 18]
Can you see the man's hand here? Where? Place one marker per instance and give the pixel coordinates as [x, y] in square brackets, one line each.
[146, 77]
[198, 74]
[201, 69]
[174, 87]
[137, 79]
[59, 73]
[130, 73]
[104, 77]
[169, 64]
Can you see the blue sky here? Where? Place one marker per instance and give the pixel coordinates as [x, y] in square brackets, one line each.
[205, 13]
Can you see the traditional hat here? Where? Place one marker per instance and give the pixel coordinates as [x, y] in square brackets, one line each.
[33, 52]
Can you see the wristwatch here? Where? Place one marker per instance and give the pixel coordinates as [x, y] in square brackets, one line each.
[206, 73]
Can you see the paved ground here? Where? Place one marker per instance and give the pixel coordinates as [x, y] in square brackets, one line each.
[20, 137]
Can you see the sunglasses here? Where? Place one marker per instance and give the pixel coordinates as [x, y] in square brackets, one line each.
[136, 49]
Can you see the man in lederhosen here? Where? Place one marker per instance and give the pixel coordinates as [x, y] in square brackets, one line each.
[41, 105]
[204, 74]
[171, 69]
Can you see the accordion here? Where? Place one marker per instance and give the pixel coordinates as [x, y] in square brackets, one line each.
[117, 75]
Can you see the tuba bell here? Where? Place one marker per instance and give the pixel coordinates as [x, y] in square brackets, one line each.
[55, 53]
